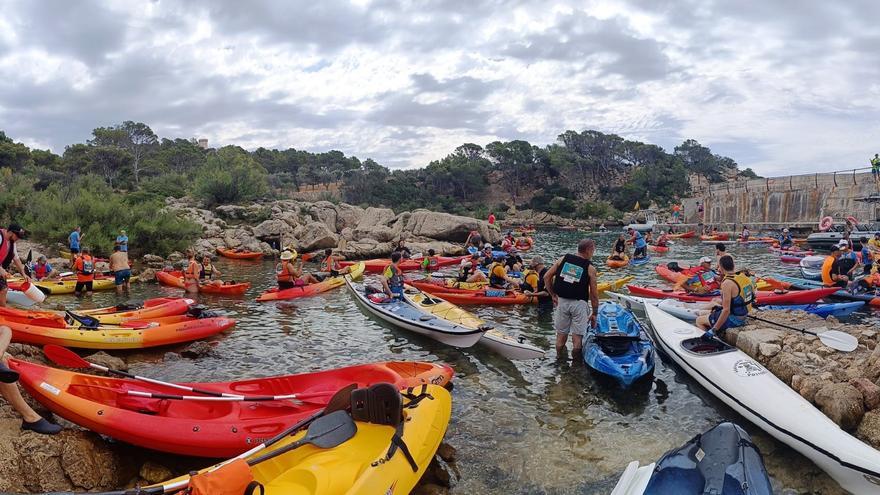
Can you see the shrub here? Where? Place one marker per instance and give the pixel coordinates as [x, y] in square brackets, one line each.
[230, 176]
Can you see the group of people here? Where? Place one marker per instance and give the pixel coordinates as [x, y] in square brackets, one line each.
[84, 264]
[841, 267]
[639, 242]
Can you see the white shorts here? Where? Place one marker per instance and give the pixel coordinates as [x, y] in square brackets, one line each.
[572, 316]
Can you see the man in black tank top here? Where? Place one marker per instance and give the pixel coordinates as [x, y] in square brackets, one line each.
[571, 282]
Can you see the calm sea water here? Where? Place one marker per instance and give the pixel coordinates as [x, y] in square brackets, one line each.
[520, 427]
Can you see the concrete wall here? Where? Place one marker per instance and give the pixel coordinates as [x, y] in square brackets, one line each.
[799, 200]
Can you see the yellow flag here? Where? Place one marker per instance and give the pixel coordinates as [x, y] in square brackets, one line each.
[636, 207]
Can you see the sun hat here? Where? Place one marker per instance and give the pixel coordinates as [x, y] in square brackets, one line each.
[287, 255]
[705, 259]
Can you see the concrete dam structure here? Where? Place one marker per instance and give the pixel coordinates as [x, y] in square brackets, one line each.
[794, 201]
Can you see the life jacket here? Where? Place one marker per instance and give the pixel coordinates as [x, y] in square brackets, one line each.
[40, 271]
[741, 305]
[705, 279]
[192, 269]
[572, 281]
[395, 277]
[87, 265]
[206, 271]
[329, 264]
[495, 280]
[429, 263]
[7, 251]
[283, 272]
[530, 280]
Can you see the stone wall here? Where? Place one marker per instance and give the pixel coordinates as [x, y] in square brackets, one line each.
[799, 200]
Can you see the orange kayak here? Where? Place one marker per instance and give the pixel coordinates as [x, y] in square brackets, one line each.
[687, 235]
[174, 330]
[658, 249]
[239, 255]
[475, 296]
[175, 279]
[202, 428]
[378, 264]
[148, 310]
[276, 294]
[716, 237]
[617, 263]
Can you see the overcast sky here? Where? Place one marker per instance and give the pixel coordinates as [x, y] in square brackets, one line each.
[780, 86]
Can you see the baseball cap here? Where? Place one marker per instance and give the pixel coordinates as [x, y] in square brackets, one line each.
[487, 246]
[835, 248]
[17, 230]
[843, 244]
[537, 260]
[705, 259]
[785, 229]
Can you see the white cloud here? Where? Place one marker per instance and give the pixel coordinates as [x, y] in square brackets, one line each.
[778, 87]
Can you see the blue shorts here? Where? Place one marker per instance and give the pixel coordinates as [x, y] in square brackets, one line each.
[732, 321]
[122, 276]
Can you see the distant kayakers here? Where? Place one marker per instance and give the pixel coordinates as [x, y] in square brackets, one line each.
[533, 284]
[619, 251]
[737, 297]
[392, 280]
[121, 269]
[571, 283]
[9, 390]
[191, 273]
[42, 270]
[84, 266]
[640, 246]
[875, 167]
[507, 241]
[785, 239]
[122, 241]
[9, 257]
[404, 251]
[663, 240]
[745, 234]
[429, 263]
[74, 240]
[867, 256]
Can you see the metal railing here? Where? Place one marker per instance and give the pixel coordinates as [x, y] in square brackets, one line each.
[787, 183]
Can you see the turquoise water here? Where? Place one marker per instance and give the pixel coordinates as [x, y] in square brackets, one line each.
[526, 427]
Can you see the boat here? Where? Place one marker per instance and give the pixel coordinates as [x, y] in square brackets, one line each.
[162, 331]
[688, 311]
[751, 390]
[377, 265]
[762, 297]
[618, 346]
[329, 283]
[612, 263]
[686, 235]
[415, 314]
[822, 241]
[639, 261]
[811, 267]
[658, 249]
[67, 285]
[801, 283]
[239, 254]
[723, 461]
[509, 347]
[203, 428]
[175, 279]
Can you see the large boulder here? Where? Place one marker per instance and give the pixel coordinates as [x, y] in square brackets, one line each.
[316, 235]
[446, 227]
[324, 212]
[841, 402]
[366, 248]
[348, 216]
[251, 213]
[375, 223]
[272, 228]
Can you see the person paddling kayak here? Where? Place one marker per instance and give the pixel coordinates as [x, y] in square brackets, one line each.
[700, 279]
[737, 297]
[619, 251]
[785, 239]
[571, 282]
[833, 271]
[289, 273]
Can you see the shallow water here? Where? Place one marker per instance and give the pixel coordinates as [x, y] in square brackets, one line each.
[520, 427]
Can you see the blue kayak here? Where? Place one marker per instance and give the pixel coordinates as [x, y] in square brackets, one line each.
[804, 284]
[837, 310]
[618, 346]
[495, 254]
[639, 261]
[721, 461]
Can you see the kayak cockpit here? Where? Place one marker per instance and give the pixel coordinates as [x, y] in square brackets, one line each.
[704, 347]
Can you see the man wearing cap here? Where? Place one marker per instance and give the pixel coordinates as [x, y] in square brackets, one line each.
[42, 270]
[571, 283]
[736, 302]
[9, 257]
[122, 241]
[533, 284]
[468, 270]
[832, 275]
[700, 279]
[785, 240]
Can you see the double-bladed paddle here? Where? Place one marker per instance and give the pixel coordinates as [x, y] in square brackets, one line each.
[834, 339]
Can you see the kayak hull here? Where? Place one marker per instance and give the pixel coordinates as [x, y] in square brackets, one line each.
[617, 263]
[763, 297]
[175, 279]
[309, 290]
[800, 283]
[205, 429]
[509, 347]
[755, 393]
[239, 255]
[378, 265]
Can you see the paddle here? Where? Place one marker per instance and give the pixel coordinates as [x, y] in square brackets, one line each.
[831, 338]
[331, 430]
[69, 359]
[303, 397]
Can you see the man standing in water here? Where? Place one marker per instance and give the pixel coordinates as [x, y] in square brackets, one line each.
[571, 282]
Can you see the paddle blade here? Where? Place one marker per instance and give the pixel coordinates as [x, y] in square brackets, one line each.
[838, 340]
[63, 356]
[331, 430]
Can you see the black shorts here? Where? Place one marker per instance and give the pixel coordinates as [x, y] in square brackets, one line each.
[283, 284]
[640, 252]
[74, 250]
[82, 285]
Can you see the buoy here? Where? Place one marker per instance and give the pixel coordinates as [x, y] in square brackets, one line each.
[826, 223]
[852, 220]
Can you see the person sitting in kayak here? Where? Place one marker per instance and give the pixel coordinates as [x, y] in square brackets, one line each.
[513, 262]
[867, 257]
[429, 263]
[9, 390]
[331, 263]
[403, 250]
[737, 297]
[507, 242]
[746, 234]
[638, 242]
[488, 255]
[785, 239]
[619, 251]
[533, 284]
[474, 240]
[663, 240]
[208, 273]
[832, 273]
[191, 273]
[9, 257]
[289, 274]
[700, 279]
[392, 280]
[523, 243]
[468, 270]
[649, 237]
[84, 266]
[42, 270]
[498, 277]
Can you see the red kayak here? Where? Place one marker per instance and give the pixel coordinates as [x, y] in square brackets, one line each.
[201, 428]
[484, 295]
[148, 310]
[716, 237]
[238, 254]
[670, 275]
[175, 279]
[378, 264]
[763, 297]
[687, 235]
[658, 249]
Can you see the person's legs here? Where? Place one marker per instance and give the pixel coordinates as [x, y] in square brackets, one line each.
[703, 320]
[580, 322]
[562, 324]
[78, 288]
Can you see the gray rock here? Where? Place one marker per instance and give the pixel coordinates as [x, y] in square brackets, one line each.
[869, 429]
[768, 350]
[316, 236]
[870, 392]
[842, 403]
[750, 340]
[272, 228]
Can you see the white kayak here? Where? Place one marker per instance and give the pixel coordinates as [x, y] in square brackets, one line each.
[755, 393]
[634, 479]
[510, 347]
[414, 314]
[19, 298]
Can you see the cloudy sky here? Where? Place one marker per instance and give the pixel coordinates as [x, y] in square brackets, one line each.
[780, 86]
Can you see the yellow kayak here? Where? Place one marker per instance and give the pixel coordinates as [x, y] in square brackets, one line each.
[442, 308]
[613, 285]
[56, 287]
[360, 465]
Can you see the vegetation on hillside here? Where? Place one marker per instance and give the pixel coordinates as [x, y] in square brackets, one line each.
[121, 176]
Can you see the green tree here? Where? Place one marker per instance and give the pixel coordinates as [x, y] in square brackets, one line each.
[14, 156]
[230, 175]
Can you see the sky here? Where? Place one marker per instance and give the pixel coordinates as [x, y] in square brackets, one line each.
[780, 86]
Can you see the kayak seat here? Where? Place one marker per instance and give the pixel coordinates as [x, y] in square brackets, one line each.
[615, 346]
[701, 346]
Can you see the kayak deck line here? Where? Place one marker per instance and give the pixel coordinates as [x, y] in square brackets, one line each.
[871, 476]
